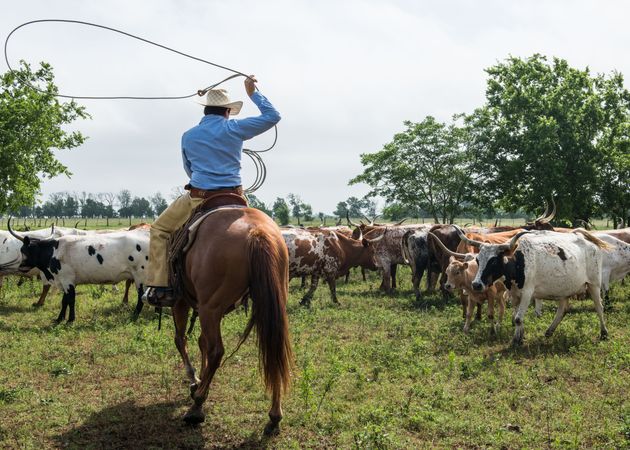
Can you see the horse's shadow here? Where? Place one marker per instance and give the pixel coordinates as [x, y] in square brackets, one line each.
[158, 425]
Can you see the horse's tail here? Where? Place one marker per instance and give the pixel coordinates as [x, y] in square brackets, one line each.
[268, 288]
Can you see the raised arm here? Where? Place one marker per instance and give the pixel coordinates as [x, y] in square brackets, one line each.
[253, 126]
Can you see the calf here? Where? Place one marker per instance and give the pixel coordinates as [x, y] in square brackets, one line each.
[68, 261]
[325, 254]
[460, 276]
[546, 264]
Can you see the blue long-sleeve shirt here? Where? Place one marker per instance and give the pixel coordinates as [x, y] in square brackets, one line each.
[212, 150]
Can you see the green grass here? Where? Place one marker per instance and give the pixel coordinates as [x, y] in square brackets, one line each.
[373, 372]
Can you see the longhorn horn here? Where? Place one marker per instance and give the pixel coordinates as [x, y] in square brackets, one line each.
[350, 222]
[550, 217]
[13, 233]
[463, 237]
[543, 215]
[512, 244]
[445, 248]
[400, 221]
[76, 225]
[371, 222]
[371, 241]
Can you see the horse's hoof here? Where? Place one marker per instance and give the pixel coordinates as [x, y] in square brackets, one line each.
[548, 333]
[272, 428]
[194, 416]
[37, 305]
[603, 336]
[193, 389]
[305, 303]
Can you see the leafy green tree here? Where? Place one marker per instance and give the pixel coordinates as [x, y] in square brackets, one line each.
[92, 208]
[54, 206]
[615, 145]
[296, 206]
[32, 124]
[124, 202]
[140, 207]
[542, 134]
[396, 211]
[255, 202]
[307, 210]
[70, 206]
[424, 167]
[158, 203]
[341, 210]
[281, 211]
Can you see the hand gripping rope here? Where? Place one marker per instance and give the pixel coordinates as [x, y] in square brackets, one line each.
[254, 155]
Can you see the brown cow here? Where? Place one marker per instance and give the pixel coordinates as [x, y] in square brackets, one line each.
[325, 254]
[460, 276]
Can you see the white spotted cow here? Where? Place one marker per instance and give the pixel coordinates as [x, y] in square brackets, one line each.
[97, 258]
[546, 264]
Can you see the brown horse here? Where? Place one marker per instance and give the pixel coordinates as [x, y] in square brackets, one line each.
[237, 251]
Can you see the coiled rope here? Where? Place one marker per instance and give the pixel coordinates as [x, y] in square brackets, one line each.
[254, 155]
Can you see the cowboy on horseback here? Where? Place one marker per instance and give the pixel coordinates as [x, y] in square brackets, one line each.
[211, 153]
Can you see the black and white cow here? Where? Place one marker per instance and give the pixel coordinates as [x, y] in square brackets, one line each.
[546, 264]
[68, 261]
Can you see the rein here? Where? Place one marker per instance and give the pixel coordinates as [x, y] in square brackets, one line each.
[254, 155]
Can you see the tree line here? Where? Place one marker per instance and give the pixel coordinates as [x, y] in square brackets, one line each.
[88, 205]
[546, 131]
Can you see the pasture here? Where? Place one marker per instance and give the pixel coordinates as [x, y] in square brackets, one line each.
[373, 372]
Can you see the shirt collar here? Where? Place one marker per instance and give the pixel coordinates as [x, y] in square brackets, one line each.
[211, 117]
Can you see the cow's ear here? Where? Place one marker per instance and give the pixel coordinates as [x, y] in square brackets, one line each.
[465, 266]
[365, 242]
[26, 241]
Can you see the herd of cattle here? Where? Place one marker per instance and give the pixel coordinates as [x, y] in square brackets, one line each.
[493, 264]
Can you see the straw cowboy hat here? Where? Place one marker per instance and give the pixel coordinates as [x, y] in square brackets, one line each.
[219, 97]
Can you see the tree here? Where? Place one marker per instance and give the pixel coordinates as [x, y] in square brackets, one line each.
[32, 124]
[140, 207]
[124, 200]
[255, 202]
[281, 211]
[424, 167]
[341, 210]
[615, 145]
[543, 133]
[307, 210]
[158, 203]
[70, 207]
[92, 208]
[108, 198]
[54, 206]
[296, 206]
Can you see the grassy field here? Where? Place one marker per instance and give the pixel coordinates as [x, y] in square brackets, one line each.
[373, 372]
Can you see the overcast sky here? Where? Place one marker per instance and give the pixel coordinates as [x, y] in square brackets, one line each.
[343, 74]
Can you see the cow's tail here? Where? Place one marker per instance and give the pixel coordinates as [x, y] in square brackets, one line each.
[268, 288]
[405, 246]
[594, 239]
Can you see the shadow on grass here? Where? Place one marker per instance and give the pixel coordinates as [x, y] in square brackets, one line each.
[159, 425]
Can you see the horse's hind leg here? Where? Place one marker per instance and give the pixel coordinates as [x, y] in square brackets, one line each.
[180, 317]
[211, 346]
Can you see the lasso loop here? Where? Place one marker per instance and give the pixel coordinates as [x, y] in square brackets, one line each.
[261, 170]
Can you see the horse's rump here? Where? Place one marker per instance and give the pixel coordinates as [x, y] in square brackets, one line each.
[181, 240]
